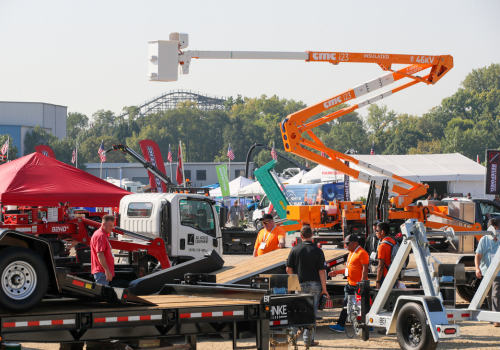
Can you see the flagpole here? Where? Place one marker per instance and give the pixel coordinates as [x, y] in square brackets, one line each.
[171, 175]
[100, 174]
[183, 174]
[76, 154]
[8, 144]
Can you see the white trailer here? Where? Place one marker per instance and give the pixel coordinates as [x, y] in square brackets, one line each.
[420, 321]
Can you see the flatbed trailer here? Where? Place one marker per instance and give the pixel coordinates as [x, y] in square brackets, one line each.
[186, 311]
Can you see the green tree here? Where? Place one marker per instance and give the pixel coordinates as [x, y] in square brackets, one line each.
[347, 135]
[76, 123]
[427, 147]
[63, 150]
[403, 135]
[35, 137]
[379, 118]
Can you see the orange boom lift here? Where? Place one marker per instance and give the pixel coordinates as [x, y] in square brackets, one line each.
[166, 57]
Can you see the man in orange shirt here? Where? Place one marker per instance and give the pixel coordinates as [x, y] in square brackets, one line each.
[270, 238]
[384, 251]
[356, 270]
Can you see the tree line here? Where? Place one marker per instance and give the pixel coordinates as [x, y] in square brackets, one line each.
[467, 122]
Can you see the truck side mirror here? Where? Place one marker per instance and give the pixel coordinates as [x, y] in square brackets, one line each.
[223, 216]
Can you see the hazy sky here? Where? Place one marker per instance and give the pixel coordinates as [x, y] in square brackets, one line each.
[91, 55]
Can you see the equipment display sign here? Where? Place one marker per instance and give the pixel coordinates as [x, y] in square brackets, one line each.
[492, 168]
[224, 184]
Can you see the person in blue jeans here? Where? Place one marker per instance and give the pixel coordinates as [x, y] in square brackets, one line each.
[307, 261]
[356, 270]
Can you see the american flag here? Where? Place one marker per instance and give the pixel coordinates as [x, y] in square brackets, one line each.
[5, 147]
[372, 152]
[230, 153]
[102, 152]
[273, 153]
[323, 154]
[169, 156]
[73, 157]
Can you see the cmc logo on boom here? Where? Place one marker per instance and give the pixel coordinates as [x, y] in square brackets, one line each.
[324, 56]
[333, 102]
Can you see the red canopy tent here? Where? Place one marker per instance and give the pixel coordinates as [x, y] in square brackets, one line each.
[43, 181]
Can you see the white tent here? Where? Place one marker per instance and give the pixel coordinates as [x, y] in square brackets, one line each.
[462, 174]
[296, 179]
[321, 173]
[254, 189]
[234, 187]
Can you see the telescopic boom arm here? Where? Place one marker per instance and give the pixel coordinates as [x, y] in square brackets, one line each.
[149, 167]
[165, 56]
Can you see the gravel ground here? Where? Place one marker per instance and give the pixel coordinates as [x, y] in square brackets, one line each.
[474, 335]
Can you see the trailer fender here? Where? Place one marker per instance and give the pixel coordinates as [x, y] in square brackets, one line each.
[41, 246]
[434, 311]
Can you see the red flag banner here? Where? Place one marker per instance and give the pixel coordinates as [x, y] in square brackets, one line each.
[152, 154]
[45, 150]
[179, 176]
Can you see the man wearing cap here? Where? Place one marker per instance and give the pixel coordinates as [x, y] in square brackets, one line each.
[270, 238]
[356, 270]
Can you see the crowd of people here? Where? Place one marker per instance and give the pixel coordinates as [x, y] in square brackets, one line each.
[307, 261]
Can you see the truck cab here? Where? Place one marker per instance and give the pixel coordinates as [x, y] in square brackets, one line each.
[485, 210]
[188, 223]
[262, 208]
[482, 209]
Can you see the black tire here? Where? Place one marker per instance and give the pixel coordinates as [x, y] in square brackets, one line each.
[466, 292]
[24, 279]
[258, 225]
[412, 330]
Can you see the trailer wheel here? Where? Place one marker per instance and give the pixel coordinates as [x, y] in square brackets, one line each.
[412, 329]
[24, 279]
[466, 292]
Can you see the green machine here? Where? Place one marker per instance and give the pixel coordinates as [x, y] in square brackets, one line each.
[271, 184]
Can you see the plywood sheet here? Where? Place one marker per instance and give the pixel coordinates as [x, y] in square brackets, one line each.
[258, 263]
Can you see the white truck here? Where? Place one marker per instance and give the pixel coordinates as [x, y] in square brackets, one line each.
[189, 223]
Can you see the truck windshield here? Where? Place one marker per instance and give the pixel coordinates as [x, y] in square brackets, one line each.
[489, 208]
[198, 214]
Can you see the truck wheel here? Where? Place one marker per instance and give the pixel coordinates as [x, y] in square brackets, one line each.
[258, 225]
[412, 329]
[24, 279]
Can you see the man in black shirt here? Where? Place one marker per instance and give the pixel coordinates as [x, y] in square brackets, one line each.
[308, 262]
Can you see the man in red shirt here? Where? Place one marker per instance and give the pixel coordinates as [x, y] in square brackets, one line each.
[101, 256]
[384, 251]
